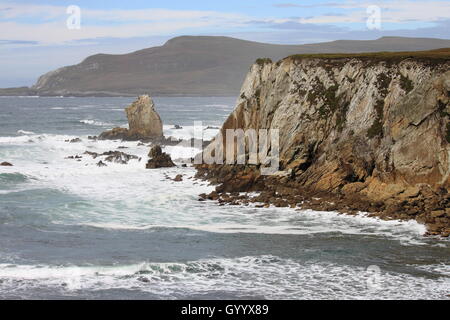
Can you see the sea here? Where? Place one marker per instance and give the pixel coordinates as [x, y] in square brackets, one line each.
[72, 230]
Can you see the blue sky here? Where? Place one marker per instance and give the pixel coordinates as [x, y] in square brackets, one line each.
[34, 37]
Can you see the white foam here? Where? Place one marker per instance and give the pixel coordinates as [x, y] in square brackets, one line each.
[268, 277]
[187, 132]
[131, 197]
[25, 132]
[95, 123]
[275, 221]
[440, 269]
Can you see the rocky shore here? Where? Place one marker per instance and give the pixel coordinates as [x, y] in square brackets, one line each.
[243, 185]
[357, 133]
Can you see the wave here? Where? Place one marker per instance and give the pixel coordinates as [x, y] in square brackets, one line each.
[187, 132]
[325, 222]
[441, 269]
[266, 277]
[124, 205]
[25, 132]
[95, 123]
[30, 138]
[12, 178]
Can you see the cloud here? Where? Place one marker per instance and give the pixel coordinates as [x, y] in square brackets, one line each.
[14, 42]
[399, 11]
[306, 33]
[296, 5]
[48, 24]
[286, 5]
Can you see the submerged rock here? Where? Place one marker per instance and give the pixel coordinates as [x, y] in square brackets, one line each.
[118, 157]
[159, 159]
[101, 164]
[143, 122]
[178, 178]
[113, 156]
[6, 164]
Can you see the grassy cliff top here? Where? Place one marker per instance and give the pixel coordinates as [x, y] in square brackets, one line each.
[437, 56]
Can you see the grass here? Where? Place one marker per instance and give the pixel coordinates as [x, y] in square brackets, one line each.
[383, 82]
[441, 107]
[447, 137]
[342, 117]
[406, 84]
[376, 130]
[438, 54]
[263, 61]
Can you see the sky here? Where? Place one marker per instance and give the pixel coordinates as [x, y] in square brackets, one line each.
[39, 36]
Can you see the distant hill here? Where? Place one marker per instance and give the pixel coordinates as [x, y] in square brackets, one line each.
[191, 65]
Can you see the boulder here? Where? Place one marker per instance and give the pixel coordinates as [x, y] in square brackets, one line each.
[155, 151]
[178, 178]
[115, 134]
[159, 159]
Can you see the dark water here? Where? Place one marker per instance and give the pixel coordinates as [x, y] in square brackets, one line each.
[71, 230]
[63, 115]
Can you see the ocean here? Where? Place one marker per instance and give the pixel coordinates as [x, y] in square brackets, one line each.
[72, 230]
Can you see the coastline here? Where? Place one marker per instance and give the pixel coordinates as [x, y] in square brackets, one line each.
[282, 192]
[362, 133]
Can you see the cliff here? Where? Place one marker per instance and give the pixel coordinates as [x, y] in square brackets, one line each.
[190, 66]
[366, 132]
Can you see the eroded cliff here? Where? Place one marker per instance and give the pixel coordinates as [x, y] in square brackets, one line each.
[371, 130]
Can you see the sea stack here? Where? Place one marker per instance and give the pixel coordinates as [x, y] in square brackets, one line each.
[143, 121]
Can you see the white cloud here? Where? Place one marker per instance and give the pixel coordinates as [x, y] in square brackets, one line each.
[46, 24]
[400, 11]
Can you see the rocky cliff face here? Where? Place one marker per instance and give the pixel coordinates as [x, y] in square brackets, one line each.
[375, 127]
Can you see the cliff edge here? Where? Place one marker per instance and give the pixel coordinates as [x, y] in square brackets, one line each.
[364, 132]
